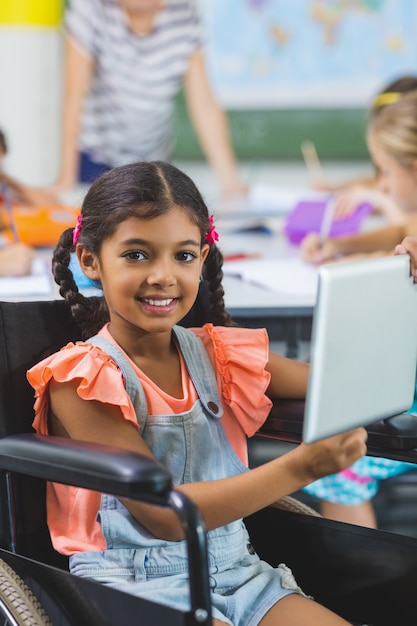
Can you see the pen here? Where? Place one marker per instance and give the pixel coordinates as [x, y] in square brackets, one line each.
[326, 222]
[311, 159]
[9, 211]
[241, 257]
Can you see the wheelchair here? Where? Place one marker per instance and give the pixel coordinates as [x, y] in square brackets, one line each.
[367, 576]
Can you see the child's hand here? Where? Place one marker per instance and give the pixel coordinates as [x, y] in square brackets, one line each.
[347, 201]
[234, 188]
[333, 454]
[313, 250]
[409, 246]
[16, 260]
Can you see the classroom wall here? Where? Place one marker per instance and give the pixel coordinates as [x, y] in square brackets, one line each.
[277, 134]
[31, 99]
[30, 79]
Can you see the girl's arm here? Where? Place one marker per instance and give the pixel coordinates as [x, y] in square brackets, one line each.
[211, 125]
[220, 501]
[28, 195]
[288, 377]
[369, 181]
[78, 73]
[348, 200]
[383, 240]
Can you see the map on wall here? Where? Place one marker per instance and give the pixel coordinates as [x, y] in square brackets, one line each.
[307, 53]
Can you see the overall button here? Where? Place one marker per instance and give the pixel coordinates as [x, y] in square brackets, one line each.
[213, 406]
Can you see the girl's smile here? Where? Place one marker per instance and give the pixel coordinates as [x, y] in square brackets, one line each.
[159, 306]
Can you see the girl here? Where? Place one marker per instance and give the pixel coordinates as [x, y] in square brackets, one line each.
[22, 194]
[146, 235]
[366, 189]
[392, 142]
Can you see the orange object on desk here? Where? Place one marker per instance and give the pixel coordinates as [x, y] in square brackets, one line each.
[41, 226]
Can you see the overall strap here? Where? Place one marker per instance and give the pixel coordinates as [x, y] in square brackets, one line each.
[200, 370]
[198, 366]
[131, 380]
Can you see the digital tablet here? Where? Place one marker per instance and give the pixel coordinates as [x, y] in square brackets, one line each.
[363, 346]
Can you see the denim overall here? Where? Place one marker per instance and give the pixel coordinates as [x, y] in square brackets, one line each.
[194, 447]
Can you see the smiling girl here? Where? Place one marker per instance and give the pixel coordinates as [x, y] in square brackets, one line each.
[145, 234]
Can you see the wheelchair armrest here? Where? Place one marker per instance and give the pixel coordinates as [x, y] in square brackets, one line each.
[124, 474]
[87, 465]
[398, 432]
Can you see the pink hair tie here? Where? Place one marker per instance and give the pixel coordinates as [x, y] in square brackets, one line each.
[212, 235]
[76, 231]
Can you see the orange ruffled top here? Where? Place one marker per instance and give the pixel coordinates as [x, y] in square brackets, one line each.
[72, 512]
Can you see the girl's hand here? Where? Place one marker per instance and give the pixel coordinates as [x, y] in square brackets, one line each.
[16, 260]
[409, 246]
[333, 454]
[313, 250]
[234, 188]
[347, 201]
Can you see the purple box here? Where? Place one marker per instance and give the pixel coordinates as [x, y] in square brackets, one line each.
[307, 216]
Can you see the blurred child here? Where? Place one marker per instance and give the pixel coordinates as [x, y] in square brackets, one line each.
[21, 193]
[350, 194]
[392, 143]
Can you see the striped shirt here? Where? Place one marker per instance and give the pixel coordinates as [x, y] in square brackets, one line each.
[127, 113]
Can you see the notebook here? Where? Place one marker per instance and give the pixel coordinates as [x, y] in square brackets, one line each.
[363, 346]
[307, 217]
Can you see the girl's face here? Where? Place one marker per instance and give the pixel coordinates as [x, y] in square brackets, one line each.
[150, 271]
[397, 181]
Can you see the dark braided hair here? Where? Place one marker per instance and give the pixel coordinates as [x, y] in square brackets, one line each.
[146, 190]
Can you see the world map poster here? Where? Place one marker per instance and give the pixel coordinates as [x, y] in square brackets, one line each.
[307, 53]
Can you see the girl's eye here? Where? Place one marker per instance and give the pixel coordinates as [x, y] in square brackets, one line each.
[135, 255]
[187, 257]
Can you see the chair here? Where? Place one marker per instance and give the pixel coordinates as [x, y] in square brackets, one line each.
[365, 575]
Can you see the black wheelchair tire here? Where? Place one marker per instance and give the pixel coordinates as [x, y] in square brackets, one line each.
[18, 605]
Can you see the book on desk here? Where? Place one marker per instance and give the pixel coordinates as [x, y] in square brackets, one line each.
[39, 226]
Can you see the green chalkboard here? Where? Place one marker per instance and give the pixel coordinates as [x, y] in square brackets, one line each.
[277, 134]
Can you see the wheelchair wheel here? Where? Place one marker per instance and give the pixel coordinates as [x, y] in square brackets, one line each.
[18, 605]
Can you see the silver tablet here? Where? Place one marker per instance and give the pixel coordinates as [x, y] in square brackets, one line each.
[363, 346]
